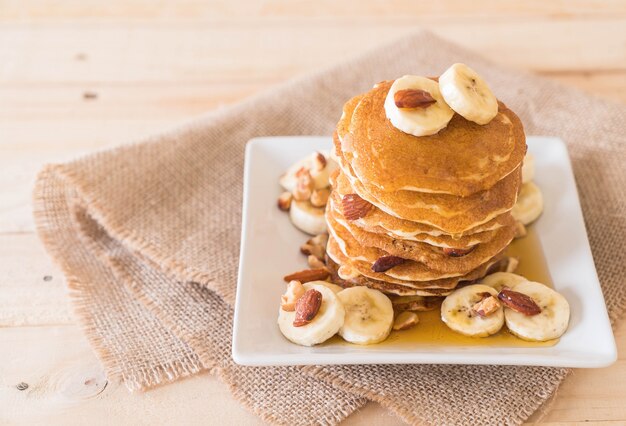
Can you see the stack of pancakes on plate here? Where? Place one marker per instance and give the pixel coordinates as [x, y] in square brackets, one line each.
[415, 215]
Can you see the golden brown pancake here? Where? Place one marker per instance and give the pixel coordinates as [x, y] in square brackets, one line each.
[424, 262]
[377, 222]
[382, 282]
[461, 159]
[450, 214]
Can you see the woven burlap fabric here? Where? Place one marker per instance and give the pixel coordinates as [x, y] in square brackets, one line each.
[148, 238]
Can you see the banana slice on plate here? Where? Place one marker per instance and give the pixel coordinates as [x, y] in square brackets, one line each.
[529, 204]
[457, 311]
[308, 218]
[423, 120]
[369, 315]
[334, 287]
[468, 94]
[319, 168]
[324, 325]
[499, 280]
[549, 324]
[528, 168]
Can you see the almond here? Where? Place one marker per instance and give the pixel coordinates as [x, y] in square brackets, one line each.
[307, 275]
[519, 302]
[304, 186]
[320, 239]
[414, 303]
[315, 246]
[413, 98]
[319, 161]
[319, 197]
[315, 263]
[284, 201]
[354, 207]
[307, 307]
[295, 290]
[385, 263]
[487, 305]
[512, 264]
[405, 320]
[457, 252]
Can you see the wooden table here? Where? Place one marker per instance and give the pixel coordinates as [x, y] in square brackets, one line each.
[80, 75]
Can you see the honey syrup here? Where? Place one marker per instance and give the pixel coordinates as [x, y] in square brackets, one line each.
[432, 331]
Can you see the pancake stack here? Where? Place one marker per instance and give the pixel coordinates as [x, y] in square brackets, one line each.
[420, 215]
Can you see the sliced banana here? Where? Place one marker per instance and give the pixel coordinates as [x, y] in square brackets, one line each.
[529, 204]
[528, 168]
[369, 315]
[320, 175]
[457, 313]
[418, 121]
[325, 325]
[468, 94]
[307, 217]
[334, 287]
[550, 324]
[499, 280]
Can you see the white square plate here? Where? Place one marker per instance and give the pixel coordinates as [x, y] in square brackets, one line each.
[269, 250]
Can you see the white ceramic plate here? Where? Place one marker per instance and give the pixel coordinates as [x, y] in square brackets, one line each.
[269, 250]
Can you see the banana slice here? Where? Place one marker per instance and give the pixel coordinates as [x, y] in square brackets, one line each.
[550, 324]
[334, 287]
[499, 280]
[418, 121]
[307, 217]
[325, 325]
[529, 204]
[468, 94]
[457, 312]
[320, 171]
[369, 315]
[528, 168]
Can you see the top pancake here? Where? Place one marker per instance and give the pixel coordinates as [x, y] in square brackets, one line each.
[462, 159]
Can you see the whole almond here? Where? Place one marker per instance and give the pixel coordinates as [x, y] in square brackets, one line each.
[385, 263]
[307, 307]
[413, 98]
[519, 302]
[308, 275]
[354, 207]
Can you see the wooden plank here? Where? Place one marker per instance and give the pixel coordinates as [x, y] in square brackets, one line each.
[261, 10]
[176, 52]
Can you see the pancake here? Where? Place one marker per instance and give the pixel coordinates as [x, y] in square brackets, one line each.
[382, 282]
[461, 159]
[370, 223]
[479, 212]
[424, 262]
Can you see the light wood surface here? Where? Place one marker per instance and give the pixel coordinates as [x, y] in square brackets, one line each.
[80, 75]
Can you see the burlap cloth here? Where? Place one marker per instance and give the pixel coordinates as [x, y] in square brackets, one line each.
[148, 238]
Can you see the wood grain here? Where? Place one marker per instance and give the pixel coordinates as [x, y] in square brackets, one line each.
[146, 66]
